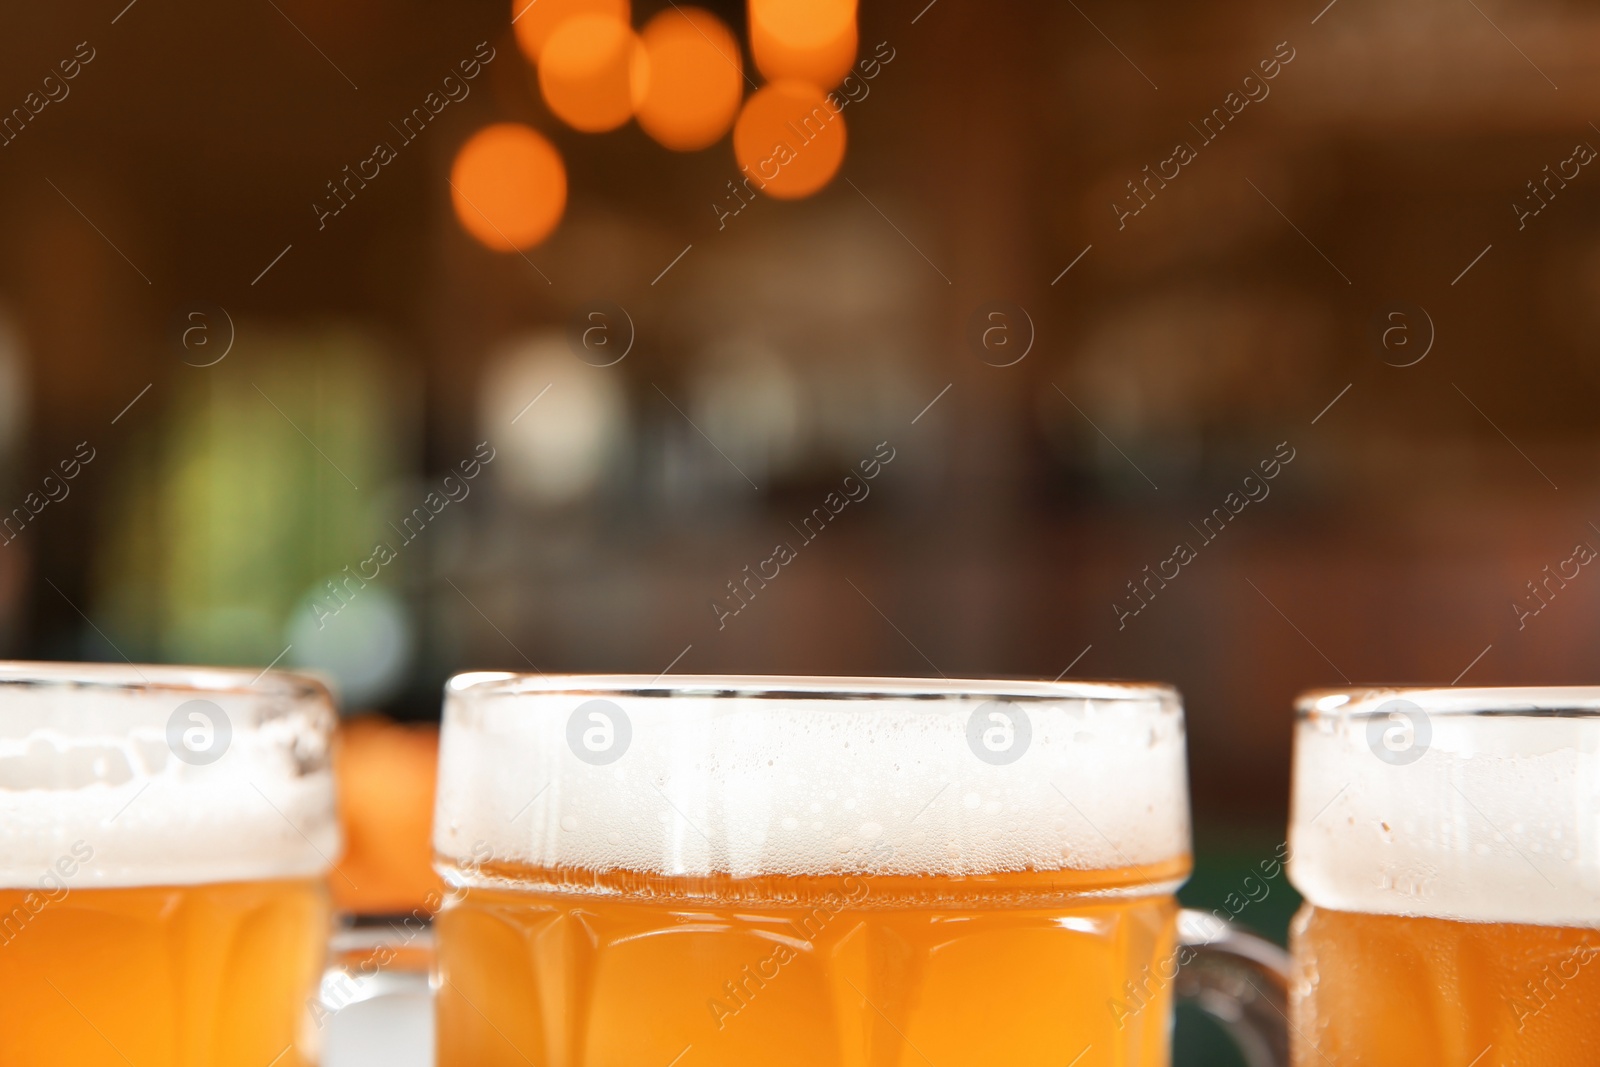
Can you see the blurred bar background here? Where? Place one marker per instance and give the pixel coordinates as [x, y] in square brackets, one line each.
[270, 388]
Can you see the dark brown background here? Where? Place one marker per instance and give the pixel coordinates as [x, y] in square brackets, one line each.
[1198, 338]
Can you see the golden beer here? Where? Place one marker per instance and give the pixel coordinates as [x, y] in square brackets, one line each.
[1421, 992]
[785, 872]
[166, 832]
[205, 975]
[1445, 843]
[1018, 969]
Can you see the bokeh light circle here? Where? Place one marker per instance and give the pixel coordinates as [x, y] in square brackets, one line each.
[593, 72]
[789, 139]
[696, 79]
[534, 21]
[509, 186]
[808, 40]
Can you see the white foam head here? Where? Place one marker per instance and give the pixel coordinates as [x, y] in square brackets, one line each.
[112, 774]
[808, 776]
[1471, 804]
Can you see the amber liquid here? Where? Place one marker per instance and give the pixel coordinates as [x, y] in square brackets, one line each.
[187, 976]
[1015, 970]
[1380, 990]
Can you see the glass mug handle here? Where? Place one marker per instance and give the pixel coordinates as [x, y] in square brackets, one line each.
[374, 1005]
[1240, 980]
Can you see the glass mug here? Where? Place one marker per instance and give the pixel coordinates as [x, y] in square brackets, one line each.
[164, 835]
[806, 871]
[1447, 844]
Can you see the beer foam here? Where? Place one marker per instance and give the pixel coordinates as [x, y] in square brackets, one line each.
[771, 776]
[1483, 808]
[92, 795]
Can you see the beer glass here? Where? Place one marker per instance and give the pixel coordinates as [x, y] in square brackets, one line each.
[164, 834]
[1447, 843]
[816, 872]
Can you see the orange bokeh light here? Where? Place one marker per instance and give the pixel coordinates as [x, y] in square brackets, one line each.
[535, 20]
[696, 79]
[788, 140]
[509, 186]
[808, 40]
[593, 72]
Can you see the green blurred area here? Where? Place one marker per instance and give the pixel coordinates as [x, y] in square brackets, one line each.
[270, 477]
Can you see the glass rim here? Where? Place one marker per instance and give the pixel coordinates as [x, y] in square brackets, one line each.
[1528, 701]
[801, 687]
[162, 678]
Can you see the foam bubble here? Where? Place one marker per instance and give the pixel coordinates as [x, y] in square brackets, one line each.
[89, 783]
[1495, 819]
[766, 776]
